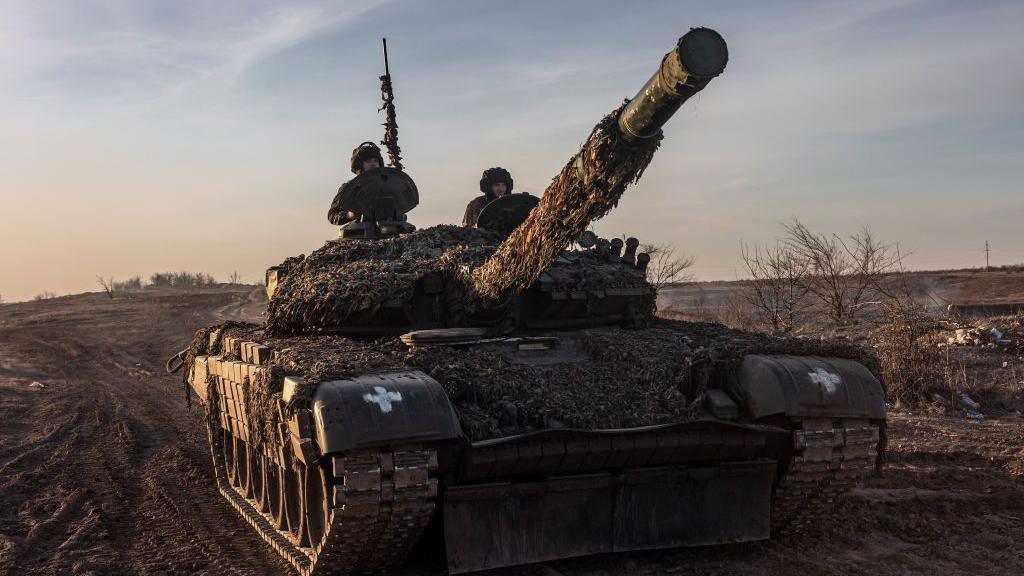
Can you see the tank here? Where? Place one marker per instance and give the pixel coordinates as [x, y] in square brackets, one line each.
[505, 394]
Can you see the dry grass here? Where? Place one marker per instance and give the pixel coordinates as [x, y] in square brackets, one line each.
[911, 363]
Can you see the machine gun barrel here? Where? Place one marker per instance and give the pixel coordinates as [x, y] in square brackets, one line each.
[387, 95]
[616, 154]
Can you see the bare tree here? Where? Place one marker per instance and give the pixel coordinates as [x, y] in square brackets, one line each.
[235, 278]
[665, 267]
[778, 287]
[107, 285]
[841, 272]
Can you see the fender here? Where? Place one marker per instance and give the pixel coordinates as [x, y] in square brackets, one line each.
[808, 387]
[391, 408]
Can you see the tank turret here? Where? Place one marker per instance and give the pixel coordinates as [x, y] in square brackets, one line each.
[615, 155]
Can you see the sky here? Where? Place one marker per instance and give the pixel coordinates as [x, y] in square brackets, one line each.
[138, 137]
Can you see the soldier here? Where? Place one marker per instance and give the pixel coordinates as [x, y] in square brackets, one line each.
[365, 157]
[495, 183]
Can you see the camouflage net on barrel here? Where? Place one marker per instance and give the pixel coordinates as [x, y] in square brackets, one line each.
[585, 190]
[630, 378]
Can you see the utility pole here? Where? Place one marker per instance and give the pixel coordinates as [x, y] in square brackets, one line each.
[986, 255]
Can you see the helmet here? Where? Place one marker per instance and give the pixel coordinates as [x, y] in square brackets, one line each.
[492, 175]
[365, 151]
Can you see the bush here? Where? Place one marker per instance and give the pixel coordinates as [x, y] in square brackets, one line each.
[182, 280]
[911, 364]
[133, 283]
[736, 311]
[666, 267]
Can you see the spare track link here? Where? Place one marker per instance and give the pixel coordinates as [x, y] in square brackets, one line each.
[830, 456]
[380, 502]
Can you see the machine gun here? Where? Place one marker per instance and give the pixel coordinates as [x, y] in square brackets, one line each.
[381, 197]
[387, 94]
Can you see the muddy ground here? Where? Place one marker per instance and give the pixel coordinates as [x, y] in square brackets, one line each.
[104, 470]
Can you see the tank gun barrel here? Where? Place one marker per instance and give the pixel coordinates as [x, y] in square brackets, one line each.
[614, 156]
[699, 56]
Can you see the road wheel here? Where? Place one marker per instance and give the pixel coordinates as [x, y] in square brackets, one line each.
[228, 452]
[315, 505]
[291, 513]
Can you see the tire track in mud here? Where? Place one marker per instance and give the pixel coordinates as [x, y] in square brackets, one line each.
[103, 470]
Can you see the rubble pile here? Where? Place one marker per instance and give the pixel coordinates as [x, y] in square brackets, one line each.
[963, 401]
[1009, 336]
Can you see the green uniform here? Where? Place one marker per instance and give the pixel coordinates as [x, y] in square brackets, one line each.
[336, 214]
[473, 209]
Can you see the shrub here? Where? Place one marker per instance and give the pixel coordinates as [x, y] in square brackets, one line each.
[182, 280]
[911, 365]
[133, 283]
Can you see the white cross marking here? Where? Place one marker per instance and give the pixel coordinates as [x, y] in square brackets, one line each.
[825, 379]
[382, 398]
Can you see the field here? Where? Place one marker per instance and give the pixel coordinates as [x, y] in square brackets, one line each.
[938, 288]
[104, 469]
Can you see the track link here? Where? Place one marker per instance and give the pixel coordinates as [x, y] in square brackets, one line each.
[378, 502]
[381, 502]
[830, 456]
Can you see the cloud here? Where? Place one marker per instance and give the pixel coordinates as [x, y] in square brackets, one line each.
[118, 52]
[894, 113]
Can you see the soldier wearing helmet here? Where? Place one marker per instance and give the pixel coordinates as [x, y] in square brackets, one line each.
[494, 183]
[365, 157]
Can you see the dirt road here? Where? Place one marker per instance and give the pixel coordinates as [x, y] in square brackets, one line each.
[103, 469]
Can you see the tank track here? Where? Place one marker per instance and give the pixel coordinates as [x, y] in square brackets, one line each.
[354, 512]
[377, 504]
[830, 456]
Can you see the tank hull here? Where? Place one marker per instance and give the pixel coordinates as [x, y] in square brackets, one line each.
[350, 482]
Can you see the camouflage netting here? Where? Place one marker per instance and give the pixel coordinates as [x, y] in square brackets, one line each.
[589, 185]
[347, 282]
[585, 270]
[630, 378]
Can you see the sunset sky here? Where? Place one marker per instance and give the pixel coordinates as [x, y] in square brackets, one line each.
[140, 137]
